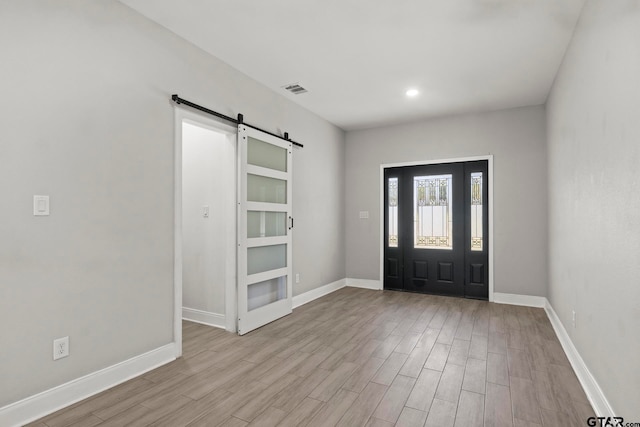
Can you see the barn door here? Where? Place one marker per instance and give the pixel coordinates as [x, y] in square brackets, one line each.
[265, 226]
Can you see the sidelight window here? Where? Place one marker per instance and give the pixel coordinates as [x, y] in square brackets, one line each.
[476, 211]
[393, 212]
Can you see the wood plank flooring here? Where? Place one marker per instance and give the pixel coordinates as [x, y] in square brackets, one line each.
[357, 357]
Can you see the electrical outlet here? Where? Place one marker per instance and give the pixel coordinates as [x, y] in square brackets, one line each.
[573, 318]
[297, 277]
[60, 348]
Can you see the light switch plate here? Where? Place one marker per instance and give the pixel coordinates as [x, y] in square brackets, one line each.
[364, 214]
[41, 205]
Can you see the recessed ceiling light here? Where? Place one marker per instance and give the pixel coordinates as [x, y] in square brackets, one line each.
[411, 93]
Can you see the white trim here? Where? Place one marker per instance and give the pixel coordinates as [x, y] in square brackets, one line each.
[515, 299]
[316, 293]
[365, 284]
[250, 279]
[592, 389]
[594, 393]
[231, 285]
[381, 225]
[319, 292]
[489, 158]
[267, 241]
[265, 206]
[437, 161]
[271, 173]
[182, 115]
[204, 317]
[49, 401]
[491, 241]
[179, 115]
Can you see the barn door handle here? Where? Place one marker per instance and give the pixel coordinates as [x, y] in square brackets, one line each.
[290, 222]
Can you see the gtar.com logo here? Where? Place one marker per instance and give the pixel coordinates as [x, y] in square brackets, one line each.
[605, 421]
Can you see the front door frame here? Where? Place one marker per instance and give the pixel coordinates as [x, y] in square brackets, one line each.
[488, 158]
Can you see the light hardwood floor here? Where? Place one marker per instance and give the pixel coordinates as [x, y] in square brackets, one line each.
[353, 358]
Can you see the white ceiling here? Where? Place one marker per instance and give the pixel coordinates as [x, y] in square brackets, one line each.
[358, 57]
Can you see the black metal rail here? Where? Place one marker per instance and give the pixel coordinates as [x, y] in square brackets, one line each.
[238, 121]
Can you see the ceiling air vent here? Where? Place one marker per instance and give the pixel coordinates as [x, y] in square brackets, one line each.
[295, 89]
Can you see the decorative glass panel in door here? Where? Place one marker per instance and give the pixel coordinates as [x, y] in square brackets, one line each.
[476, 211]
[392, 202]
[433, 218]
[264, 229]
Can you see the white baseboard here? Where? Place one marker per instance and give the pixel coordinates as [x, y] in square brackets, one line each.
[364, 283]
[598, 400]
[204, 317]
[47, 402]
[594, 393]
[316, 293]
[514, 299]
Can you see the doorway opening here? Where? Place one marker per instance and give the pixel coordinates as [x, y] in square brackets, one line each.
[205, 223]
[436, 228]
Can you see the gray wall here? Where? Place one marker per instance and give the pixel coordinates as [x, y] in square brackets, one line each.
[515, 137]
[594, 203]
[86, 119]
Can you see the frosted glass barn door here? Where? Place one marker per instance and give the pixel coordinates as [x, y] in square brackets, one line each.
[264, 229]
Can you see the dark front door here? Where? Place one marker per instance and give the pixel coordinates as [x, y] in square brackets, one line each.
[436, 223]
